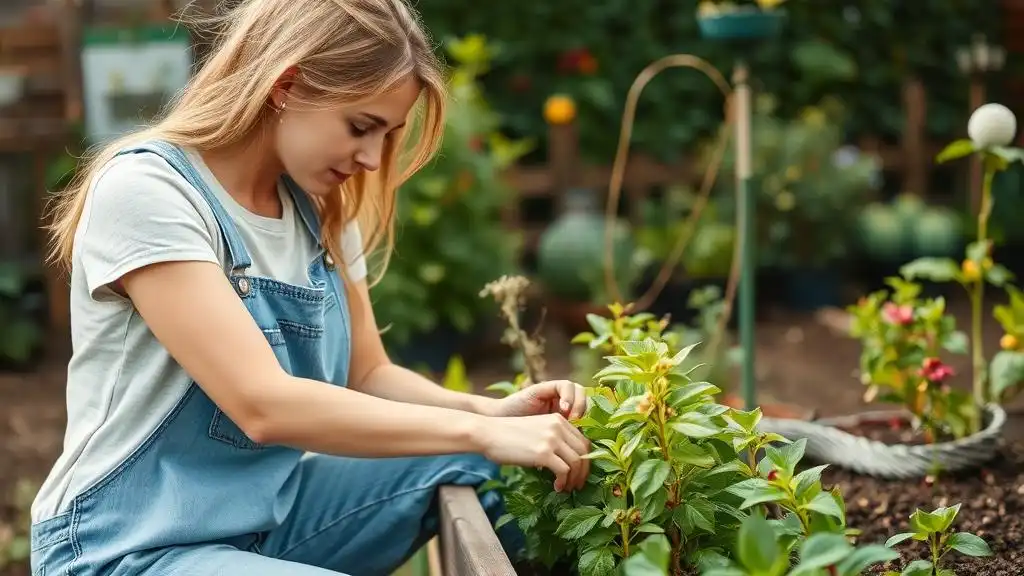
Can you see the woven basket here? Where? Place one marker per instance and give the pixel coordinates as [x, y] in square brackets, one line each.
[827, 443]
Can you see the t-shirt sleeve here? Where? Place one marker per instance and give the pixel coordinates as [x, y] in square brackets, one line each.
[140, 212]
[352, 250]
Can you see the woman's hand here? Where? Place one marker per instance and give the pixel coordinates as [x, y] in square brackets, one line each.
[547, 441]
[552, 397]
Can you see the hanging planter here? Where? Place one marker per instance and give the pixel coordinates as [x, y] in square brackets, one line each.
[740, 23]
[847, 442]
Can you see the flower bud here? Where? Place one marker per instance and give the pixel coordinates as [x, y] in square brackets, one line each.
[992, 125]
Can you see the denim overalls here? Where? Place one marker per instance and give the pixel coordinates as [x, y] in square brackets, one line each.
[199, 497]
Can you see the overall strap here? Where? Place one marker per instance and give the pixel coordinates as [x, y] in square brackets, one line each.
[305, 206]
[238, 257]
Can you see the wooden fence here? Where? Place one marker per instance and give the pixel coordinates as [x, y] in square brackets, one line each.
[912, 158]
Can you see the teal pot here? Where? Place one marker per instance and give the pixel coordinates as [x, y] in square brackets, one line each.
[745, 24]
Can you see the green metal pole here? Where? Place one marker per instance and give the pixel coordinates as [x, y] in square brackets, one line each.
[747, 209]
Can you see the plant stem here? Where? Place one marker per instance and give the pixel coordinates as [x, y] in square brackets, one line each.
[977, 299]
[624, 528]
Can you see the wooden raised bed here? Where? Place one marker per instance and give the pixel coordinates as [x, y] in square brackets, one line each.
[469, 546]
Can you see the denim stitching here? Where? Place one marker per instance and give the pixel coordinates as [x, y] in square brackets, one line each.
[145, 446]
[299, 329]
[331, 524]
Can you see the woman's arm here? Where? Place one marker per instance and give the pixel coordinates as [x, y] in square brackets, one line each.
[373, 373]
[195, 313]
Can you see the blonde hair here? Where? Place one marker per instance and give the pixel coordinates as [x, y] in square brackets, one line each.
[344, 51]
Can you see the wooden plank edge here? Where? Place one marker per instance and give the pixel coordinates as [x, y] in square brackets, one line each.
[469, 544]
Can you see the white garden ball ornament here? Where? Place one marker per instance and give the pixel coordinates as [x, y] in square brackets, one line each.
[991, 125]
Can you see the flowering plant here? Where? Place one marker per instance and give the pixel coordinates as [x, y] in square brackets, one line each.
[903, 337]
[991, 130]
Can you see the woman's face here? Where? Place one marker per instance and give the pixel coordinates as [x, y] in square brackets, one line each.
[320, 149]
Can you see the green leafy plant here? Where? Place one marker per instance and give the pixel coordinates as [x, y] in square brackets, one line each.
[903, 337]
[1006, 371]
[450, 239]
[668, 461]
[936, 528]
[20, 332]
[759, 552]
[15, 544]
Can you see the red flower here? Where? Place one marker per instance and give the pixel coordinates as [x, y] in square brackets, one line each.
[577, 60]
[897, 314]
[935, 372]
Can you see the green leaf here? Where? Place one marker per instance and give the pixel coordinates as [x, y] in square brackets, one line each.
[804, 480]
[863, 557]
[650, 529]
[681, 356]
[791, 455]
[925, 522]
[692, 454]
[650, 559]
[695, 425]
[507, 388]
[929, 268]
[577, 522]
[898, 538]
[697, 514]
[957, 342]
[1006, 371]
[597, 562]
[688, 393]
[757, 549]
[649, 476]
[757, 491]
[969, 544]
[956, 149]
[998, 275]
[917, 568]
[747, 421]
[821, 550]
[825, 503]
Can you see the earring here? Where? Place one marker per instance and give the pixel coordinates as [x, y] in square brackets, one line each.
[280, 112]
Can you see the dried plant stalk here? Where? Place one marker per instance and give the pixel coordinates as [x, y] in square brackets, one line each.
[510, 294]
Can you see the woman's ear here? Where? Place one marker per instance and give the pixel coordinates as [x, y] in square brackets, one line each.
[283, 86]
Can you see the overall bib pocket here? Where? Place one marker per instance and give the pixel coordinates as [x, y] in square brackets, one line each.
[301, 336]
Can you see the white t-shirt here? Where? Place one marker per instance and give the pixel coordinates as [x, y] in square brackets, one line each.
[121, 381]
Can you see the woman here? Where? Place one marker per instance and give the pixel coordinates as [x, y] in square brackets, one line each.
[231, 409]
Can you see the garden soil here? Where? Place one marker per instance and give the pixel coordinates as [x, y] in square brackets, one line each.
[803, 360]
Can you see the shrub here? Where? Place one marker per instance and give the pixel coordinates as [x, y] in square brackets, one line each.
[669, 462]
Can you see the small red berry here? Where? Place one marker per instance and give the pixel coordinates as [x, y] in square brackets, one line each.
[772, 475]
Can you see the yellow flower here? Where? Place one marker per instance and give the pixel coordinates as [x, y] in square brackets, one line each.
[793, 173]
[1009, 342]
[970, 270]
[559, 109]
[785, 201]
[814, 117]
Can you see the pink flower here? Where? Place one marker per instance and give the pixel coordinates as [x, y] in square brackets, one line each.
[900, 315]
[935, 372]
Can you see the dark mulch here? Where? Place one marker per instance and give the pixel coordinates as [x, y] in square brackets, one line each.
[992, 506]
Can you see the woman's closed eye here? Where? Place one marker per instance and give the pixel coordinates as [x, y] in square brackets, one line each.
[358, 130]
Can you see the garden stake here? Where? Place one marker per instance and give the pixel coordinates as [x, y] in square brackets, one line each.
[748, 26]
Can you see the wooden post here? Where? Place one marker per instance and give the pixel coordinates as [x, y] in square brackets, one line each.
[915, 155]
[563, 161]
